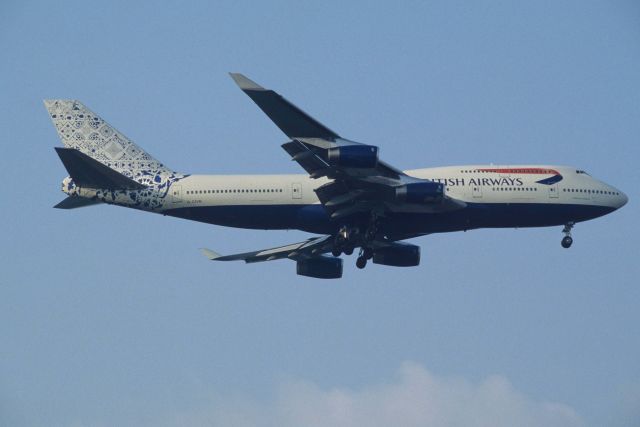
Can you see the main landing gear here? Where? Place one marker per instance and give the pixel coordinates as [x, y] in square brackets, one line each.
[350, 237]
[345, 241]
[365, 255]
[567, 240]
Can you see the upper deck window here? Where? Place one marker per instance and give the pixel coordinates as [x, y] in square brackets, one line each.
[582, 172]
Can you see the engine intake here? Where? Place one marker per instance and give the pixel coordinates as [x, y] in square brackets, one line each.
[353, 156]
[420, 192]
[321, 267]
[397, 255]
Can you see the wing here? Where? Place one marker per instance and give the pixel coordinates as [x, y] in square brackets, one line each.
[308, 249]
[290, 119]
[359, 181]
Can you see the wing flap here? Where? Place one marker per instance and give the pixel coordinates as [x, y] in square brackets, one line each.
[305, 157]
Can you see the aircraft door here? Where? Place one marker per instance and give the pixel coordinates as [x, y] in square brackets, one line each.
[296, 191]
[553, 191]
[176, 193]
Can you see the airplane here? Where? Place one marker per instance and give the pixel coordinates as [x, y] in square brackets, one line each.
[349, 196]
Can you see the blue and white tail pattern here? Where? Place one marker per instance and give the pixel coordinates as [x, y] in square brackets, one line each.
[80, 128]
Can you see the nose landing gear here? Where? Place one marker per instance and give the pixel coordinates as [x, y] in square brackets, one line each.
[567, 240]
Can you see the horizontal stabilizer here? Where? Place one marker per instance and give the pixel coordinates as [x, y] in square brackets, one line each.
[90, 173]
[76, 202]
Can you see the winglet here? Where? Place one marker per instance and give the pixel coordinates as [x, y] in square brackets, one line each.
[210, 254]
[244, 83]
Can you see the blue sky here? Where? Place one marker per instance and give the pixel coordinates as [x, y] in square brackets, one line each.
[112, 317]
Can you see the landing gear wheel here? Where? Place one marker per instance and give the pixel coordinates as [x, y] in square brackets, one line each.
[348, 250]
[336, 252]
[361, 262]
[567, 241]
[367, 253]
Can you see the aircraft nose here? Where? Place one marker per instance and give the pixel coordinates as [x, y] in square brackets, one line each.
[622, 199]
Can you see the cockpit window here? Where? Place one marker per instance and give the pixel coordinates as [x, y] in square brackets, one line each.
[582, 172]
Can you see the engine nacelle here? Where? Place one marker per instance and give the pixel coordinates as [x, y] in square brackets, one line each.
[353, 156]
[398, 255]
[420, 192]
[321, 267]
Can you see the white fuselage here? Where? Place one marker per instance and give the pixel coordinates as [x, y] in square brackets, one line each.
[465, 183]
[491, 196]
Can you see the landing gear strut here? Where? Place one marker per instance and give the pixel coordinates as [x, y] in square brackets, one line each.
[372, 230]
[345, 240]
[350, 237]
[346, 233]
[567, 240]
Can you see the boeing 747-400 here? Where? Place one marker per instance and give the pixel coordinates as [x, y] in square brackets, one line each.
[349, 196]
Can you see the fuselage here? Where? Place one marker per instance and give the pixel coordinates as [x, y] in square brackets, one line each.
[349, 196]
[495, 196]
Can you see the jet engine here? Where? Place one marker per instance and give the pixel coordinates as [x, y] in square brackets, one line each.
[420, 192]
[321, 267]
[397, 255]
[353, 156]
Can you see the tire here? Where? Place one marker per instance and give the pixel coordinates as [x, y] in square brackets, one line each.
[566, 242]
[361, 262]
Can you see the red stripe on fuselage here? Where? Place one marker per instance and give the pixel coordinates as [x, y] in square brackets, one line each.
[534, 171]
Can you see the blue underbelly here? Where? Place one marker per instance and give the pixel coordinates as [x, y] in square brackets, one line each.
[312, 218]
[494, 215]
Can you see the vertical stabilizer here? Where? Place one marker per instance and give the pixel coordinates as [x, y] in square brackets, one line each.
[82, 129]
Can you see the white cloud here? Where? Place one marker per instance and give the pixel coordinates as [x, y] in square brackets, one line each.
[416, 398]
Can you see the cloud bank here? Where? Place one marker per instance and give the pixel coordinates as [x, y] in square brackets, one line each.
[416, 398]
